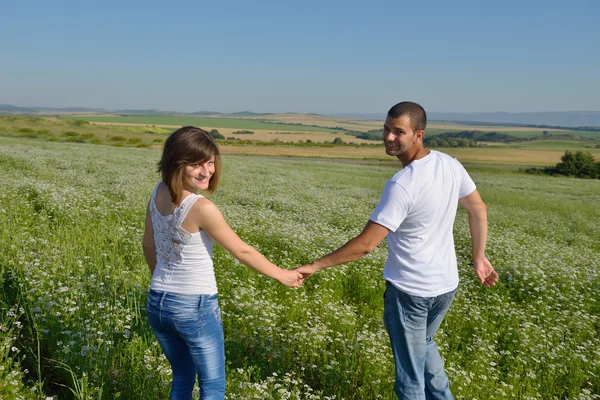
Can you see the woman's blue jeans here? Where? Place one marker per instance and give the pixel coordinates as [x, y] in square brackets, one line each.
[411, 322]
[190, 332]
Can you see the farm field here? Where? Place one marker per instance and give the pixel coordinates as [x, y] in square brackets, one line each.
[312, 123]
[212, 122]
[493, 155]
[313, 119]
[74, 282]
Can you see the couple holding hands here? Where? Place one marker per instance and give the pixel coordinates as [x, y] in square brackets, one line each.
[416, 214]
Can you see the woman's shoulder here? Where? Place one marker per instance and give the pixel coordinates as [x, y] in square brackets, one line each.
[160, 188]
[203, 205]
[161, 192]
[203, 211]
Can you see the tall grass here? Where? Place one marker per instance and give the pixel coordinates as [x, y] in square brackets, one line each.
[72, 318]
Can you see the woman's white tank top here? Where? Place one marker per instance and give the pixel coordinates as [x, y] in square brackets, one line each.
[183, 260]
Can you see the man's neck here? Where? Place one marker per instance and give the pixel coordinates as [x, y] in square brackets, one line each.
[406, 159]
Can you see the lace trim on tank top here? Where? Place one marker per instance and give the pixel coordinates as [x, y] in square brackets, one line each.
[169, 236]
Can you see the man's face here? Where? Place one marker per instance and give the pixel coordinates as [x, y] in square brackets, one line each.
[398, 136]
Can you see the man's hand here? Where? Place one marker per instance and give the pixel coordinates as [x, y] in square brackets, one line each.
[485, 272]
[289, 278]
[306, 270]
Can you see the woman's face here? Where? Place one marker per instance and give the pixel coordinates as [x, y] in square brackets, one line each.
[197, 176]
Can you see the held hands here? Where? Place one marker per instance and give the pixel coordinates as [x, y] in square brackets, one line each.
[289, 278]
[296, 277]
[307, 270]
[485, 272]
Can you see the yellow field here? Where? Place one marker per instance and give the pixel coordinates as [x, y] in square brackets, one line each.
[365, 125]
[263, 135]
[271, 135]
[321, 120]
[491, 156]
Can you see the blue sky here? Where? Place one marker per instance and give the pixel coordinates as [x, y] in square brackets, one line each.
[302, 56]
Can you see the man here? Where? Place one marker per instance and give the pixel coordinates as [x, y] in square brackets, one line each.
[416, 213]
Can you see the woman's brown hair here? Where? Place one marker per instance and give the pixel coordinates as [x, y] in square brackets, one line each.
[185, 146]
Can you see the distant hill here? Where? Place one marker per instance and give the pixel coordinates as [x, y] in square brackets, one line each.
[556, 118]
[9, 109]
[247, 114]
[205, 113]
[567, 119]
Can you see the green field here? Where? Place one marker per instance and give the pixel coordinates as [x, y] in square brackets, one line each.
[74, 282]
[210, 122]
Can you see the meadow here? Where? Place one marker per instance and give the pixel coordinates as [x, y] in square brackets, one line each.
[74, 282]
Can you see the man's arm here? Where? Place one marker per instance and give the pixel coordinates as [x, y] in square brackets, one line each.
[478, 226]
[355, 248]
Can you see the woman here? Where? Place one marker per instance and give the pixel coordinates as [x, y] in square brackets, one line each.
[183, 309]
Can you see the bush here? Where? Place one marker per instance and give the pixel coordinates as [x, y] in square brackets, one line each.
[75, 140]
[79, 122]
[117, 138]
[580, 164]
[70, 134]
[374, 134]
[215, 134]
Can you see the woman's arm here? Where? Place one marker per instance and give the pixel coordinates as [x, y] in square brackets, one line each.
[148, 243]
[210, 219]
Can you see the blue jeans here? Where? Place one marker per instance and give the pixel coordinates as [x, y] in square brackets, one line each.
[190, 332]
[411, 322]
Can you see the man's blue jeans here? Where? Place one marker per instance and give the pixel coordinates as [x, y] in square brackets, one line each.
[411, 322]
[190, 332]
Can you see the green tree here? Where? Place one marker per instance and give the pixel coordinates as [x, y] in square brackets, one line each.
[462, 142]
[433, 143]
[580, 164]
[215, 134]
[338, 140]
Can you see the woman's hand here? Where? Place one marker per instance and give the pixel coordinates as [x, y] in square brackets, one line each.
[290, 278]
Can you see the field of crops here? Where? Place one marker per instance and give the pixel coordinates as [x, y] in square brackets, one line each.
[306, 123]
[207, 122]
[72, 318]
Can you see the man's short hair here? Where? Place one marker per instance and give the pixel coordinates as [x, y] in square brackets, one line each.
[415, 113]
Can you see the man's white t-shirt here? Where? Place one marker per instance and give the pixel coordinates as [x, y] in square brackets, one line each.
[418, 206]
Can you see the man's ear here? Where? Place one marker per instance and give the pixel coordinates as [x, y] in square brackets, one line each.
[419, 134]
